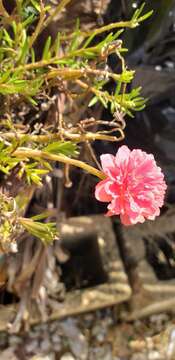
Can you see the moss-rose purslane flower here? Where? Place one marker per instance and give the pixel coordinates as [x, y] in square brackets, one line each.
[134, 185]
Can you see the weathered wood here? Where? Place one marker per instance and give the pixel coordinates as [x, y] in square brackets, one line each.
[115, 291]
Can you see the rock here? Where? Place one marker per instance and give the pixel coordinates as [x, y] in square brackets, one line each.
[55, 338]
[67, 356]
[99, 353]
[32, 346]
[53, 326]
[99, 332]
[76, 339]
[139, 356]
[56, 341]
[45, 345]
[50, 356]
[154, 355]
[14, 340]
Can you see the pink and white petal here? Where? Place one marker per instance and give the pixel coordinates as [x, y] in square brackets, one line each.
[114, 206]
[122, 156]
[109, 213]
[107, 161]
[153, 216]
[138, 219]
[128, 220]
[100, 191]
[125, 219]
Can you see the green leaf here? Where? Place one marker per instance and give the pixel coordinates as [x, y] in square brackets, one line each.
[46, 52]
[67, 148]
[36, 5]
[56, 46]
[93, 101]
[46, 232]
[7, 38]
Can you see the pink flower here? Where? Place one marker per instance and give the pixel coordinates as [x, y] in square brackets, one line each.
[134, 185]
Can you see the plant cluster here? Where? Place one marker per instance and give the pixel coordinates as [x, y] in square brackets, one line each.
[74, 65]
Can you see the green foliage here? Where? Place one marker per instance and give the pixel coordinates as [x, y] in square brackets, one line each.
[21, 74]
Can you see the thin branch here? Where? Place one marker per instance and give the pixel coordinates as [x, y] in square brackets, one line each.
[39, 26]
[68, 73]
[56, 59]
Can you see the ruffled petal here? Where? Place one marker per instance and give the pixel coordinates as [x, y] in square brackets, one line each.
[107, 162]
[122, 156]
[101, 193]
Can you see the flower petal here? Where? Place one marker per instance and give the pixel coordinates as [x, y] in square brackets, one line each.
[107, 161]
[100, 191]
[122, 156]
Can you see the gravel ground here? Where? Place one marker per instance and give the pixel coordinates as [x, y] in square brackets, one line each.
[95, 336]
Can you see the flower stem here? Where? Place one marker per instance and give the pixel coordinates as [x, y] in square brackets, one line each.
[25, 153]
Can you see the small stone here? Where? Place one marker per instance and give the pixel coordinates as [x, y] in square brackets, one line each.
[77, 341]
[56, 341]
[100, 338]
[44, 327]
[67, 356]
[33, 335]
[57, 347]
[154, 355]
[99, 332]
[14, 340]
[56, 338]
[88, 320]
[139, 356]
[43, 357]
[32, 346]
[53, 326]
[45, 345]
[99, 353]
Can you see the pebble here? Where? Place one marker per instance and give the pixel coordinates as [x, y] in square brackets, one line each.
[67, 356]
[32, 346]
[45, 345]
[14, 340]
[154, 355]
[56, 338]
[53, 326]
[77, 341]
[99, 332]
[57, 343]
[50, 356]
[99, 353]
[139, 356]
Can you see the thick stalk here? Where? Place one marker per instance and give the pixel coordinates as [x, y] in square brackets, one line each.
[46, 138]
